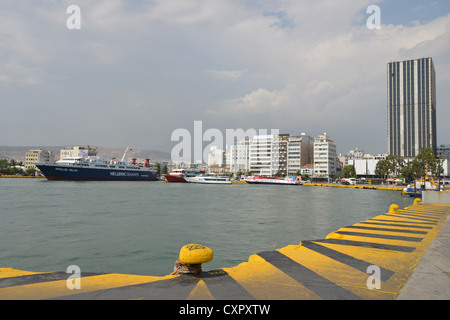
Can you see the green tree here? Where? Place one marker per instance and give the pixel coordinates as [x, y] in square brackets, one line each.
[164, 170]
[382, 169]
[349, 171]
[279, 174]
[411, 170]
[395, 164]
[427, 162]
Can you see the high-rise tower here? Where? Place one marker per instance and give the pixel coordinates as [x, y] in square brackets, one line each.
[411, 106]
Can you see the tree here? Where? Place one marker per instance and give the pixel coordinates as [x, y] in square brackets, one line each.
[391, 166]
[395, 164]
[425, 162]
[279, 174]
[349, 171]
[411, 170]
[382, 169]
[164, 170]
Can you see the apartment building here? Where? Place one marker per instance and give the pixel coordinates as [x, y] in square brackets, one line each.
[260, 155]
[325, 157]
[37, 155]
[300, 153]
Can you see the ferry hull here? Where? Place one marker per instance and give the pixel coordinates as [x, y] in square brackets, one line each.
[286, 182]
[59, 172]
[172, 178]
[273, 183]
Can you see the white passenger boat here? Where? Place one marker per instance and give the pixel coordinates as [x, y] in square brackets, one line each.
[283, 181]
[209, 178]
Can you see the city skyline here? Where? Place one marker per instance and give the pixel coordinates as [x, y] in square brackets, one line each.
[137, 71]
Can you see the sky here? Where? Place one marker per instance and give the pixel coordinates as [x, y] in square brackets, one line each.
[138, 70]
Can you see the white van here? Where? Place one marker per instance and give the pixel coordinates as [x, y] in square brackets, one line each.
[350, 181]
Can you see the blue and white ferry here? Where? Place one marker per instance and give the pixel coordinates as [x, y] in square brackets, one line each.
[96, 168]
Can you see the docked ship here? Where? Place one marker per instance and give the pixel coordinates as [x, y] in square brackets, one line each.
[179, 175]
[279, 181]
[97, 168]
[209, 178]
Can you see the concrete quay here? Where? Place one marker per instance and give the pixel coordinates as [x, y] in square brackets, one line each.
[401, 254]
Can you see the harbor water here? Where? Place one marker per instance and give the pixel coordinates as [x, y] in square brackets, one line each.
[139, 227]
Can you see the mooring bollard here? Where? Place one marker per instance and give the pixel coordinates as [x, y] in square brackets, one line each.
[393, 208]
[191, 258]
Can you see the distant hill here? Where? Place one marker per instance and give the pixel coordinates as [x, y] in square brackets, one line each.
[18, 153]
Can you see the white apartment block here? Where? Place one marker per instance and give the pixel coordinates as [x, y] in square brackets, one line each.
[35, 156]
[325, 157]
[238, 157]
[365, 164]
[260, 155]
[216, 157]
[270, 154]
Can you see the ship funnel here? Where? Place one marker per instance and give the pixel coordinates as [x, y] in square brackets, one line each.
[133, 161]
[147, 163]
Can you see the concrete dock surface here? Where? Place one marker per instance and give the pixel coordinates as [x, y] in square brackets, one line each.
[398, 255]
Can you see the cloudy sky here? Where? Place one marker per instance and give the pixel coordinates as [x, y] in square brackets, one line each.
[138, 70]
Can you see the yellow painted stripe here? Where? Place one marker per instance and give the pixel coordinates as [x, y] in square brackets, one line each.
[265, 282]
[53, 289]
[9, 272]
[339, 273]
[200, 292]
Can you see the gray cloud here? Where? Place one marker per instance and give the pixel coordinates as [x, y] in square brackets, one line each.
[138, 70]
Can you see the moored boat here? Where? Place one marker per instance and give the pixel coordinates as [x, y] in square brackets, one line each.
[209, 178]
[179, 175]
[423, 184]
[96, 168]
[279, 181]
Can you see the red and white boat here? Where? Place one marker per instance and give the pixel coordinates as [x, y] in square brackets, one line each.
[179, 175]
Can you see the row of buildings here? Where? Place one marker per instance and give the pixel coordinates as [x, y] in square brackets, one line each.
[285, 154]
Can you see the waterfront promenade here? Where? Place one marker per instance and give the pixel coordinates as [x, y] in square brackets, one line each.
[401, 254]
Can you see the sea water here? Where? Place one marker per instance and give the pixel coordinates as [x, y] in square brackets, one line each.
[140, 227]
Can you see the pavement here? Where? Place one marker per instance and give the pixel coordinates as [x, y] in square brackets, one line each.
[401, 254]
[430, 280]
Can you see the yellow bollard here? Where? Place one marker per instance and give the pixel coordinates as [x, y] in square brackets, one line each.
[417, 201]
[393, 208]
[191, 258]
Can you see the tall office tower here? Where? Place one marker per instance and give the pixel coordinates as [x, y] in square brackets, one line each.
[411, 106]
